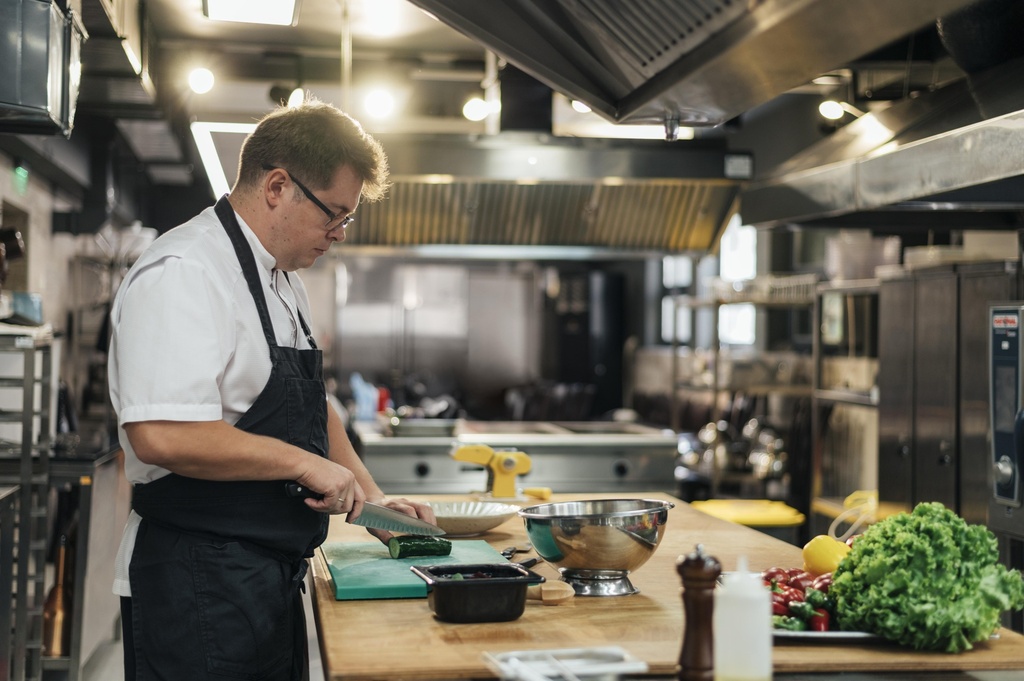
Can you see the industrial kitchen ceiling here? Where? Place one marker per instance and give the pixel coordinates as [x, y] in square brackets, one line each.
[686, 62]
[670, 64]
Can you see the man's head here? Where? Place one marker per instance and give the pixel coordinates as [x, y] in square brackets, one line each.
[313, 141]
[301, 176]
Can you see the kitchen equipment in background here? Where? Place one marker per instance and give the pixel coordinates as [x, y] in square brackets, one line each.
[591, 456]
[470, 518]
[719, 460]
[723, 447]
[855, 254]
[595, 544]
[1006, 409]
[477, 593]
[396, 426]
[366, 571]
[588, 329]
[1006, 419]
[767, 457]
[548, 401]
[503, 467]
[933, 381]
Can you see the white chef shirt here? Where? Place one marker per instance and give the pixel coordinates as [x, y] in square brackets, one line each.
[187, 343]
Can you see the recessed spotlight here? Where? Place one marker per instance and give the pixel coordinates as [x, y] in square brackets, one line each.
[296, 98]
[831, 109]
[475, 109]
[379, 103]
[200, 79]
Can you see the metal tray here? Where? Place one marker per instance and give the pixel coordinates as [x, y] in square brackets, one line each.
[824, 636]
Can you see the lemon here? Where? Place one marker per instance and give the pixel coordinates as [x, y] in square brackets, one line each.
[823, 553]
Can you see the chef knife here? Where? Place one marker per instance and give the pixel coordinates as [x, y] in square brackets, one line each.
[376, 516]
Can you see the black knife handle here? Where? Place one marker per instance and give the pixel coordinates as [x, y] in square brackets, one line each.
[294, 489]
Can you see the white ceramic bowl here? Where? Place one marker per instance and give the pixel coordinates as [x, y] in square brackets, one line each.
[471, 518]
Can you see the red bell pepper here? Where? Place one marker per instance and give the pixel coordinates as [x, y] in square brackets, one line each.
[820, 620]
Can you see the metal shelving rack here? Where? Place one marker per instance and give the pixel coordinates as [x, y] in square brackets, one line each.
[95, 281]
[766, 292]
[8, 513]
[821, 397]
[24, 461]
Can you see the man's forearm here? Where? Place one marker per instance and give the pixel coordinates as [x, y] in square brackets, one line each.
[215, 450]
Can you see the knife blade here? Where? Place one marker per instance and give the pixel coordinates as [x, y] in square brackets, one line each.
[376, 516]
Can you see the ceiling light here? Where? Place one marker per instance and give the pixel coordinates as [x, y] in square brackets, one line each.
[379, 103]
[283, 95]
[475, 109]
[274, 12]
[383, 18]
[202, 133]
[579, 106]
[296, 98]
[200, 79]
[828, 80]
[833, 110]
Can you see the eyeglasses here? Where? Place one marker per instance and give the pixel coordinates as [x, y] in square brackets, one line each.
[342, 222]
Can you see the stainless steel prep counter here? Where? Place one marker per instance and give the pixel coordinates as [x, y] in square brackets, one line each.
[580, 456]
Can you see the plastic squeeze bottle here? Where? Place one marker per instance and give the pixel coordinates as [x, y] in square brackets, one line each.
[742, 626]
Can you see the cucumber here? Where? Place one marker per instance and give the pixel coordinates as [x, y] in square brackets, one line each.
[410, 545]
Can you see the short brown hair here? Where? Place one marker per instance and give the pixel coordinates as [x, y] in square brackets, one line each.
[313, 140]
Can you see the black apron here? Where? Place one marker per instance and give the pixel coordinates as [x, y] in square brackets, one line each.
[217, 566]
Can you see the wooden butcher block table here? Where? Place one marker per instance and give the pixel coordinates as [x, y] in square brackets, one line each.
[399, 639]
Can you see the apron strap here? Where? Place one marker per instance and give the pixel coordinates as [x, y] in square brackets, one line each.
[302, 320]
[245, 258]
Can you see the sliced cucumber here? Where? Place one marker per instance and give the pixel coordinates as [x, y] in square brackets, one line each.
[410, 545]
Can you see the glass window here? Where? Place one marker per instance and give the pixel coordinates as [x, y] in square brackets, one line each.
[683, 318]
[737, 261]
[676, 271]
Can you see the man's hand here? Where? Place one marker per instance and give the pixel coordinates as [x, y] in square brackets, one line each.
[338, 485]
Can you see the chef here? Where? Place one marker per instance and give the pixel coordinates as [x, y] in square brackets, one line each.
[219, 392]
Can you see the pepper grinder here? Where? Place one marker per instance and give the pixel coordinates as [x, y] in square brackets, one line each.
[699, 572]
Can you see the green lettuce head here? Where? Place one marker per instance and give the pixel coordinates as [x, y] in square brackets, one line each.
[927, 580]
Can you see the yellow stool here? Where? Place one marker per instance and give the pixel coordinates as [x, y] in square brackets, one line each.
[771, 517]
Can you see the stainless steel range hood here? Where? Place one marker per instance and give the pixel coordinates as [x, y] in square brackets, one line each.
[951, 158]
[527, 189]
[532, 189]
[688, 62]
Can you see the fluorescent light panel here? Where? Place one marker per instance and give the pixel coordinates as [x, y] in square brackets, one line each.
[202, 133]
[274, 12]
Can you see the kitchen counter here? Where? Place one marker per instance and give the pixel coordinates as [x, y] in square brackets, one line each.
[399, 639]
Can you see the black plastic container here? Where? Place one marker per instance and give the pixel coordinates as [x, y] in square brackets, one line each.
[482, 592]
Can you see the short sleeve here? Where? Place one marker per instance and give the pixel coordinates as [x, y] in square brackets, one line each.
[172, 339]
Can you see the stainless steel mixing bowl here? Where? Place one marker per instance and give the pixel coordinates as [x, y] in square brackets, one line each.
[596, 543]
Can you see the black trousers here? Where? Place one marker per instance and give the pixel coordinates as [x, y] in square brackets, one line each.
[127, 639]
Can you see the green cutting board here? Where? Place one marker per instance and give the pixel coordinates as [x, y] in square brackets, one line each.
[364, 571]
